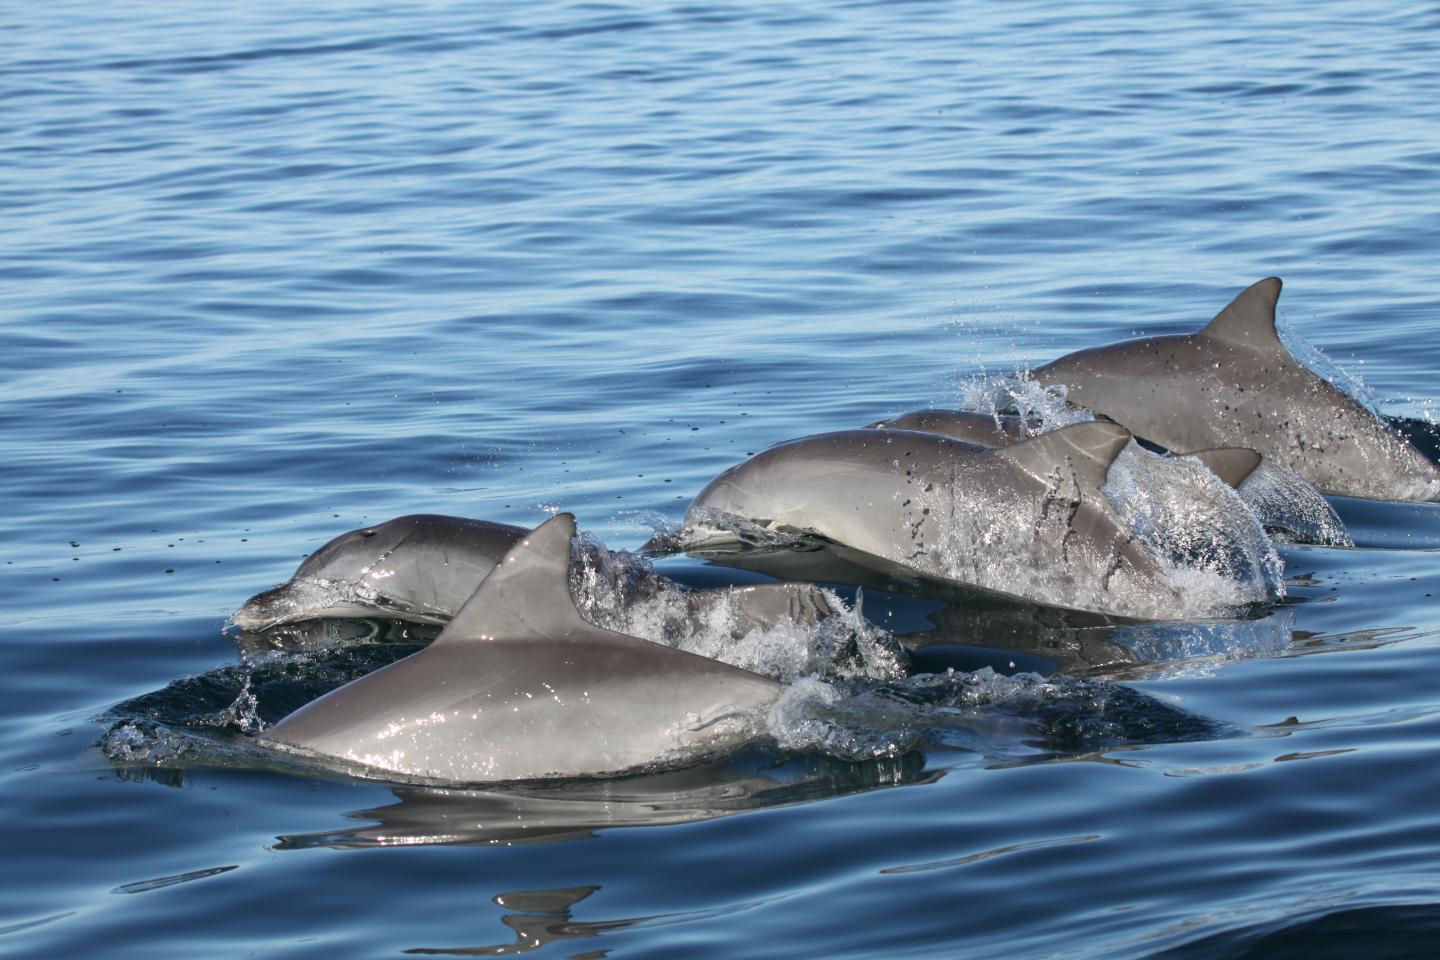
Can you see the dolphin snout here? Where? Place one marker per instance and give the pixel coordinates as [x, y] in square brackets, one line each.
[262, 611]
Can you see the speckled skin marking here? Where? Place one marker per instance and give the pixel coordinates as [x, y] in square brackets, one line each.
[1301, 515]
[1234, 384]
[964, 425]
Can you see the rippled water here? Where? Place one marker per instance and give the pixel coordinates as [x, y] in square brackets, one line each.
[272, 274]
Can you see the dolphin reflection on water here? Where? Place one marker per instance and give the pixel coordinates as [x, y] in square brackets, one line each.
[574, 810]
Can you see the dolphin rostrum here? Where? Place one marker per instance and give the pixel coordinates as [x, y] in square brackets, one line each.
[1028, 519]
[520, 687]
[1286, 503]
[422, 568]
[1235, 384]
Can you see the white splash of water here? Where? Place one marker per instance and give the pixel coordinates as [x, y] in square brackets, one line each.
[1020, 545]
[1042, 408]
[745, 627]
[1320, 363]
[982, 711]
[1216, 552]
[813, 716]
[1291, 508]
[1216, 555]
[1198, 649]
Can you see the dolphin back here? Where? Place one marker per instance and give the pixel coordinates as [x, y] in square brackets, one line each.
[965, 425]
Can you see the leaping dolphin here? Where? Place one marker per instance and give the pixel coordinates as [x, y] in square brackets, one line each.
[1234, 384]
[1028, 520]
[1286, 503]
[520, 687]
[421, 568]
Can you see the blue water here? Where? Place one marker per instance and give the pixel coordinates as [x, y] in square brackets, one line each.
[273, 272]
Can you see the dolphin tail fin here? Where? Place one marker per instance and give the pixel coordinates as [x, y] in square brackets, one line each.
[1249, 319]
[1084, 449]
[1231, 464]
[527, 595]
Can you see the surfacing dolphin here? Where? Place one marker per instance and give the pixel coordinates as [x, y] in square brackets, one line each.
[1286, 503]
[1235, 384]
[419, 568]
[1028, 520]
[520, 687]
[422, 568]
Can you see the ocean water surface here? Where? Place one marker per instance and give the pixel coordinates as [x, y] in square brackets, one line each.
[274, 273]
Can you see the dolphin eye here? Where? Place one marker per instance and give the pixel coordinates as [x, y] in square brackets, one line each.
[367, 533]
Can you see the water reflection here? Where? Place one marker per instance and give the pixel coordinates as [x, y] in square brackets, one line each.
[1116, 652]
[549, 813]
[541, 917]
[312, 635]
[1390, 525]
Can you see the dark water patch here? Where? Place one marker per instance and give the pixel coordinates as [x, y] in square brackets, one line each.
[1390, 525]
[1389, 932]
[248, 697]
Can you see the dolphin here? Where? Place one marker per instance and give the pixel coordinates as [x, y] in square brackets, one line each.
[418, 567]
[1286, 503]
[421, 568]
[519, 686]
[1027, 520]
[1235, 384]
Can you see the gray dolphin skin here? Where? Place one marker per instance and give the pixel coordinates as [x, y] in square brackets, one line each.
[1028, 519]
[967, 425]
[1233, 465]
[520, 687]
[1234, 384]
[1286, 503]
[422, 568]
[419, 567]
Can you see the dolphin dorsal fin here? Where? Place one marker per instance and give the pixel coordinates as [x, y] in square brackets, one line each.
[1249, 319]
[1084, 449]
[527, 594]
[1231, 464]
